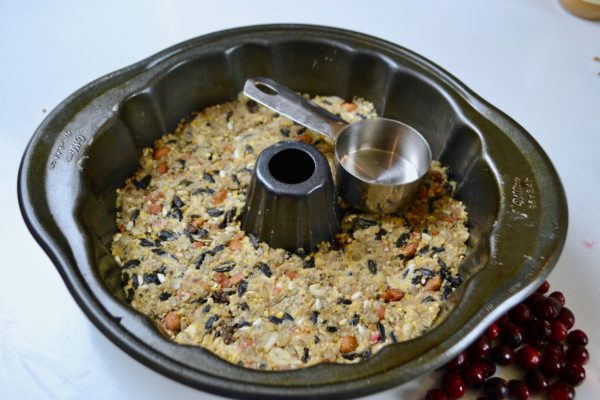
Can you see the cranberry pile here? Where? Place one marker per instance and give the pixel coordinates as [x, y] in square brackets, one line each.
[535, 336]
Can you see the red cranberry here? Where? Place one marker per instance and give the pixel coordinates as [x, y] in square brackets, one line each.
[456, 362]
[573, 373]
[566, 317]
[496, 388]
[492, 331]
[547, 308]
[534, 299]
[578, 337]
[503, 354]
[520, 314]
[528, 357]
[536, 381]
[544, 287]
[518, 390]
[474, 374]
[577, 354]
[512, 335]
[481, 348]
[560, 390]
[559, 332]
[558, 296]
[551, 365]
[489, 367]
[503, 319]
[436, 394]
[556, 349]
[453, 385]
[538, 329]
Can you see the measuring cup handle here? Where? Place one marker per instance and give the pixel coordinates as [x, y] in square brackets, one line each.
[287, 102]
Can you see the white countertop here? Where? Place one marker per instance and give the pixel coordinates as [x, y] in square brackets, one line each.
[529, 58]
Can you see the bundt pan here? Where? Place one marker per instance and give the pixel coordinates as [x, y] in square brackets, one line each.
[91, 142]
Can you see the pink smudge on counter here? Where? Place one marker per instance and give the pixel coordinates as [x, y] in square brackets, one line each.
[588, 244]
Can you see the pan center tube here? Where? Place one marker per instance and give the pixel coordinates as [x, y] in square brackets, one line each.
[291, 202]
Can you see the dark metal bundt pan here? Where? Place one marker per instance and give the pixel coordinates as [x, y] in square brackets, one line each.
[91, 142]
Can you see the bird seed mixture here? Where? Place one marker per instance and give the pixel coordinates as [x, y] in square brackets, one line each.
[188, 266]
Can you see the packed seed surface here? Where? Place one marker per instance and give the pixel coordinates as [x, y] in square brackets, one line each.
[188, 266]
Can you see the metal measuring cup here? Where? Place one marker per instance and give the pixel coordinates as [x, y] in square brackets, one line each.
[379, 163]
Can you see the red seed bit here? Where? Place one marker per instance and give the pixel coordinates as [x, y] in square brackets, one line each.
[528, 357]
[560, 390]
[577, 354]
[453, 385]
[577, 337]
[436, 394]
[573, 373]
[518, 390]
[544, 287]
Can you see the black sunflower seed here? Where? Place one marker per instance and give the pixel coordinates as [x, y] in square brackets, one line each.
[441, 263]
[146, 242]
[435, 250]
[273, 319]
[244, 306]
[425, 272]
[402, 239]
[381, 233]
[206, 309]
[242, 287]
[314, 317]
[214, 212]
[216, 249]
[305, 355]
[381, 331]
[208, 177]
[249, 149]
[229, 216]
[288, 317]
[363, 223]
[131, 264]
[235, 179]
[265, 269]
[176, 213]
[151, 278]
[142, 183]
[226, 267]
[355, 320]
[393, 337]
[310, 263]
[177, 202]
[344, 301]
[285, 132]
[351, 356]
[372, 266]
[202, 233]
[134, 215]
[200, 260]
[135, 282]
[332, 329]
[164, 296]
[166, 235]
[210, 322]
[424, 249]
[220, 297]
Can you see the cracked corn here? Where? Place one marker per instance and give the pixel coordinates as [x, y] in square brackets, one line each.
[188, 266]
